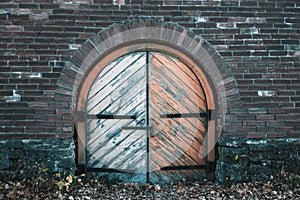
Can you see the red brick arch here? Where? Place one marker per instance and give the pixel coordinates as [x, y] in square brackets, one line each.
[120, 39]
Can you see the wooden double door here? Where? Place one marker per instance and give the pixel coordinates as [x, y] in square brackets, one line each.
[146, 120]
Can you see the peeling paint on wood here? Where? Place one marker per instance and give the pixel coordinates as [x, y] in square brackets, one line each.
[139, 143]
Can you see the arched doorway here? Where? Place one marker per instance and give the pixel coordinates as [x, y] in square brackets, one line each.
[146, 120]
[118, 40]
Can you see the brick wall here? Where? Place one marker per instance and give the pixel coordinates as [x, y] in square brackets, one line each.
[259, 40]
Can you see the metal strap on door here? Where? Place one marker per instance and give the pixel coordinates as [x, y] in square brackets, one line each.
[146, 117]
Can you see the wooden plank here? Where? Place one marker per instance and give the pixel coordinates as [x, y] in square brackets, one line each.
[178, 81]
[112, 93]
[119, 91]
[177, 141]
[117, 141]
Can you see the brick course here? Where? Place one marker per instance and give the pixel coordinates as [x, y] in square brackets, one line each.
[258, 40]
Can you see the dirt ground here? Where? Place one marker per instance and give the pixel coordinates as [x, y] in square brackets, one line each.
[280, 186]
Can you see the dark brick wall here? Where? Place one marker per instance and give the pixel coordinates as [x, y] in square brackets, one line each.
[259, 40]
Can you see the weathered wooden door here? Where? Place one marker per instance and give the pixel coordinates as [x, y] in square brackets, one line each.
[146, 120]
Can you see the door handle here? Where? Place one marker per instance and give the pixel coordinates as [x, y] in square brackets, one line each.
[149, 128]
[110, 116]
[137, 128]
